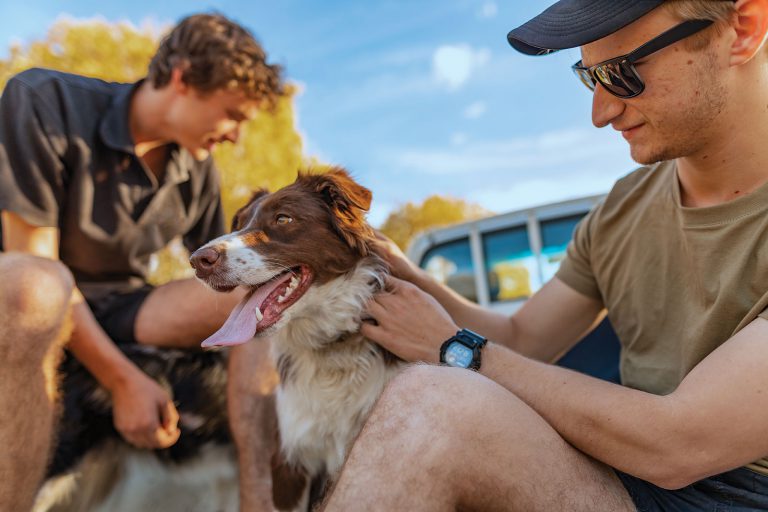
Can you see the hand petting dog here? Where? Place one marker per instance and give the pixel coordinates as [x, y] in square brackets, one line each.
[410, 323]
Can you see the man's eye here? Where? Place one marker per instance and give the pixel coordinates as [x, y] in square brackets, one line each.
[283, 219]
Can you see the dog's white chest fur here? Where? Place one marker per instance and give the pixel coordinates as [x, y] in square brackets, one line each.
[331, 376]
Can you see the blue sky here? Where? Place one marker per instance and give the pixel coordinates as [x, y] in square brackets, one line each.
[413, 97]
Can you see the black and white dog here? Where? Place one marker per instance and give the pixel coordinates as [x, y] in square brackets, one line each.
[93, 469]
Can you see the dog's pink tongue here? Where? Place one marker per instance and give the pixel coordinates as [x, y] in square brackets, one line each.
[241, 324]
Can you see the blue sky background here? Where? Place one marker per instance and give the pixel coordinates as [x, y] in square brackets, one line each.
[413, 97]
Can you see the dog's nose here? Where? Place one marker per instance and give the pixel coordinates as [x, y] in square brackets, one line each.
[204, 260]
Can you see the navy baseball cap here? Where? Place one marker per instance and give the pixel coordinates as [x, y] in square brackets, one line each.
[572, 23]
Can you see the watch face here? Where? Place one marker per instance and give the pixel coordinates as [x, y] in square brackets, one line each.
[458, 355]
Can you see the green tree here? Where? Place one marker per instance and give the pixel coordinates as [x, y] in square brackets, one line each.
[411, 219]
[268, 154]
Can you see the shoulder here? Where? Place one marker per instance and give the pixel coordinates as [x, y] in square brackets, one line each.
[40, 78]
[59, 90]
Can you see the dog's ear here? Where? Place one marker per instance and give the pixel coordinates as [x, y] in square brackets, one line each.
[241, 216]
[349, 201]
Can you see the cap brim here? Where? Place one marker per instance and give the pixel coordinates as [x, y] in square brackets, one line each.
[572, 23]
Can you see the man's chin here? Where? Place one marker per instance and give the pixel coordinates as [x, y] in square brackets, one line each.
[645, 157]
[200, 154]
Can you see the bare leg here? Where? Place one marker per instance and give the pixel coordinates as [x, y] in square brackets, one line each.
[34, 304]
[182, 314]
[253, 421]
[447, 439]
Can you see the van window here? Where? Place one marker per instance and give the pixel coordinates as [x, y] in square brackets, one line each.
[451, 264]
[555, 235]
[510, 264]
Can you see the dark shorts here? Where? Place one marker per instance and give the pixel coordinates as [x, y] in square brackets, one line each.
[116, 313]
[740, 490]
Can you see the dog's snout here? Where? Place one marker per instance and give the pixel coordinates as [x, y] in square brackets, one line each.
[204, 261]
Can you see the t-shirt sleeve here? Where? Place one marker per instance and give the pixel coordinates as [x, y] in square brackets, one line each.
[32, 177]
[576, 269]
[211, 223]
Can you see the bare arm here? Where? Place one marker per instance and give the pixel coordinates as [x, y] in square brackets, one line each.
[713, 422]
[144, 414]
[547, 325]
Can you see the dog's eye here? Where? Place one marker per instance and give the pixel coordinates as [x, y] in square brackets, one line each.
[283, 219]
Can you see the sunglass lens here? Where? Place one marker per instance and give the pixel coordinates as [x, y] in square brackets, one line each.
[619, 78]
[585, 77]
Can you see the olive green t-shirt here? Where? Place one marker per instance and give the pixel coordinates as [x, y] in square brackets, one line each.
[677, 282]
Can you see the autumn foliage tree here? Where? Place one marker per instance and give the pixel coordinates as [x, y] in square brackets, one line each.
[411, 219]
[269, 151]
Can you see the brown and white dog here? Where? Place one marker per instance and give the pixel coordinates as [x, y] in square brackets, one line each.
[305, 252]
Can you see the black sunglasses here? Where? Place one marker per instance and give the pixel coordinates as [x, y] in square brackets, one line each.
[619, 76]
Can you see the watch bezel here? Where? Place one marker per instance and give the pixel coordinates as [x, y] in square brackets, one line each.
[469, 339]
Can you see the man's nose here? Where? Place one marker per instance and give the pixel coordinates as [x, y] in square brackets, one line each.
[204, 261]
[233, 135]
[605, 107]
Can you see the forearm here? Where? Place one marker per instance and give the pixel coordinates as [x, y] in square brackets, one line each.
[544, 328]
[633, 431]
[93, 348]
[467, 314]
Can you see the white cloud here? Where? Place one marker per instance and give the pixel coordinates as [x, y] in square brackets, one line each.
[506, 175]
[453, 65]
[459, 138]
[488, 10]
[475, 110]
[559, 149]
[526, 193]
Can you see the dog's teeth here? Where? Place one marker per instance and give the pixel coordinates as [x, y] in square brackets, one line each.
[259, 315]
[294, 281]
[281, 299]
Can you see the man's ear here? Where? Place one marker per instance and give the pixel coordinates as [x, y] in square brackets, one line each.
[244, 213]
[177, 80]
[348, 201]
[751, 26]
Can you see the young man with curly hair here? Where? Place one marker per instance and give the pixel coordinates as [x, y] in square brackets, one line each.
[675, 255]
[94, 178]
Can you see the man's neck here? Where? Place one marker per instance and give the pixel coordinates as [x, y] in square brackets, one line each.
[147, 118]
[733, 165]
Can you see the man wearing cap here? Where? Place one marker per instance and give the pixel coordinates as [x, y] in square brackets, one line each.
[675, 255]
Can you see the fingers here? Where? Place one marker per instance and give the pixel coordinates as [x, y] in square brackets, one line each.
[153, 428]
[373, 332]
[164, 438]
[393, 284]
[169, 416]
[167, 433]
[375, 308]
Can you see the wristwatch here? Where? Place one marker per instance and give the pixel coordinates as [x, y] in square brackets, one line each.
[462, 350]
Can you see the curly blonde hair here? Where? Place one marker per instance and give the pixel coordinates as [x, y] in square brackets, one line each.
[214, 53]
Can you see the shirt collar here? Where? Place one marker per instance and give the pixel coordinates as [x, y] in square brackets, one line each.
[179, 163]
[116, 133]
[115, 129]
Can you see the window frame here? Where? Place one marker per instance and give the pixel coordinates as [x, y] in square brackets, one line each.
[475, 230]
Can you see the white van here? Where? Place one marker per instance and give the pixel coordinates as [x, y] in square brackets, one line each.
[500, 261]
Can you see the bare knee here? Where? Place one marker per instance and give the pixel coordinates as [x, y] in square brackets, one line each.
[435, 403]
[36, 292]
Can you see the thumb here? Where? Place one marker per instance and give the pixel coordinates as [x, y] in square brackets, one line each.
[169, 416]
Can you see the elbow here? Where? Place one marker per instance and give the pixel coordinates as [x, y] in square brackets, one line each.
[672, 481]
[677, 470]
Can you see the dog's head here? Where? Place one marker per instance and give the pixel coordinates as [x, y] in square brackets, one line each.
[309, 232]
